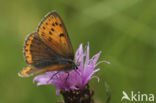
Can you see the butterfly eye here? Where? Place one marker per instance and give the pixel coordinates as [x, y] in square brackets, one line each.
[76, 67]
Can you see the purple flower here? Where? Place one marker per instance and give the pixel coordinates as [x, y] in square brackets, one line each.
[77, 79]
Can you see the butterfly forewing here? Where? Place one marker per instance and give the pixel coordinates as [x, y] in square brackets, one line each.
[53, 33]
[35, 51]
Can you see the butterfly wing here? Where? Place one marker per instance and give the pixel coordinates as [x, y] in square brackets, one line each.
[28, 71]
[35, 51]
[53, 33]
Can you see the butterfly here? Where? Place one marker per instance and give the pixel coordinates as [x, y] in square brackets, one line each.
[48, 49]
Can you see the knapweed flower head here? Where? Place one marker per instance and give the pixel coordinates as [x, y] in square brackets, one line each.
[77, 79]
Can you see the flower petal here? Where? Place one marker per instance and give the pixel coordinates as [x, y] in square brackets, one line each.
[98, 79]
[103, 62]
[57, 92]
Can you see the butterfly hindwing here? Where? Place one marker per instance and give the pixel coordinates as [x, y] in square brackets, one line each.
[53, 33]
[28, 71]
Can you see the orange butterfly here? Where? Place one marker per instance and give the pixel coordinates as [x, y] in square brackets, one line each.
[49, 48]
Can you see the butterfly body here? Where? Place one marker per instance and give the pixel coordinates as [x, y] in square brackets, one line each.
[48, 49]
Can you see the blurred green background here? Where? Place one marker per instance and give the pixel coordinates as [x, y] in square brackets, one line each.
[124, 30]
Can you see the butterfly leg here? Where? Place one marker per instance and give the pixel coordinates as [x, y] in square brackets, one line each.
[53, 76]
[77, 71]
[67, 76]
